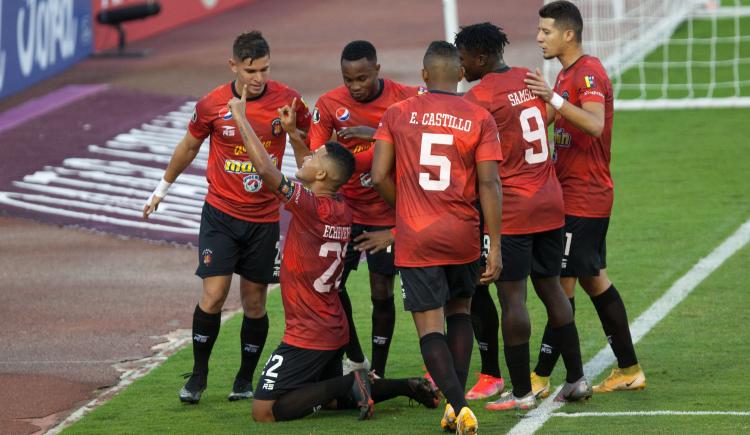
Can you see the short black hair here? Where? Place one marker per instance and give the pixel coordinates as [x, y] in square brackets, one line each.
[483, 38]
[250, 45]
[566, 16]
[441, 49]
[359, 49]
[342, 157]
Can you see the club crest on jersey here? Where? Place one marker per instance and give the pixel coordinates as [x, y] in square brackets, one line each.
[252, 183]
[421, 90]
[316, 115]
[565, 95]
[207, 256]
[276, 129]
[589, 80]
[225, 114]
[342, 114]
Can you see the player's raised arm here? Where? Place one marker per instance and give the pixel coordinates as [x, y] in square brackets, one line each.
[589, 117]
[382, 167]
[255, 151]
[183, 155]
[288, 116]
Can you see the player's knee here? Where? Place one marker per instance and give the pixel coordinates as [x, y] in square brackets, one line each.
[263, 412]
[381, 286]
[458, 306]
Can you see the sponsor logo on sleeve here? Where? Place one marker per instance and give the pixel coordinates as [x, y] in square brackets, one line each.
[589, 81]
[195, 116]
[316, 115]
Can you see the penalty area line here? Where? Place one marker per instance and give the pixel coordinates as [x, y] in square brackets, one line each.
[648, 413]
[681, 288]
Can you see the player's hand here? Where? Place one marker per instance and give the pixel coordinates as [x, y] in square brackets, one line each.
[537, 84]
[289, 117]
[374, 241]
[151, 205]
[357, 132]
[237, 105]
[493, 268]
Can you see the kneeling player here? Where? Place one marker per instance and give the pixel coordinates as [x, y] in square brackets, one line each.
[308, 361]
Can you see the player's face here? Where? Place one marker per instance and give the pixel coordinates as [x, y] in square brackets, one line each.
[360, 78]
[550, 38]
[472, 64]
[251, 72]
[311, 167]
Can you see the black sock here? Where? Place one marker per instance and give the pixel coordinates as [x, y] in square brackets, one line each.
[565, 338]
[548, 354]
[311, 397]
[353, 348]
[384, 389]
[437, 359]
[614, 320]
[486, 325]
[383, 322]
[252, 339]
[460, 342]
[517, 360]
[205, 330]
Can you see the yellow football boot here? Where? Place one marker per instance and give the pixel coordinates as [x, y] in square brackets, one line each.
[466, 423]
[629, 378]
[539, 385]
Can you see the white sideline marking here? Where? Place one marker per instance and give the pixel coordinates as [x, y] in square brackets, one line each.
[648, 413]
[142, 368]
[681, 288]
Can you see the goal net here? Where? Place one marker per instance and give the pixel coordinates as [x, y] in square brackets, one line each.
[669, 53]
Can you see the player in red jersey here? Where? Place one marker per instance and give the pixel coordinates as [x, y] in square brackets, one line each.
[583, 101]
[444, 149]
[532, 223]
[303, 374]
[352, 112]
[240, 221]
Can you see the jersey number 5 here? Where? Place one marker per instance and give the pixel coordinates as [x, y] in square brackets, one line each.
[426, 158]
[323, 284]
[529, 135]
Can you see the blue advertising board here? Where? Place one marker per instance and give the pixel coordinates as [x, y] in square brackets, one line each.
[41, 38]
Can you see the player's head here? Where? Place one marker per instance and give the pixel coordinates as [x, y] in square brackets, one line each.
[251, 62]
[480, 46]
[360, 69]
[441, 65]
[331, 164]
[560, 26]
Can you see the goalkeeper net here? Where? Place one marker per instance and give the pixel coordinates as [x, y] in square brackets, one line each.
[669, 53]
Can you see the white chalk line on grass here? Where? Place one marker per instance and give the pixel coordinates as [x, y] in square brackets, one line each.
[141, 368]
[649, 413]
[681, 288]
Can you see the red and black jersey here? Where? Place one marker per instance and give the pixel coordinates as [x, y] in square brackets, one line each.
[234, 187]
[316, 242]
[438, 140]
[532, 198]
[337, 109]
[582, 160]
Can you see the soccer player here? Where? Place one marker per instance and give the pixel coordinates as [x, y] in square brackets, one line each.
[352, 112]
[240, 221]
[532, 221]
[303, 374]
[431, 153]
[582, 99]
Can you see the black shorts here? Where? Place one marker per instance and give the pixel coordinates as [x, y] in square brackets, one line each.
[536, 254]
[228, 245]
[380, 262]
[290, 368]
[585, 246]
[427, 288]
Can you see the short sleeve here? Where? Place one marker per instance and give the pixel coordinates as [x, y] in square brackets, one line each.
[384, 127]
[298, 198]
[321, 127]
[303, 113]
[489, 147]
[200, 124]
[590, 85]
